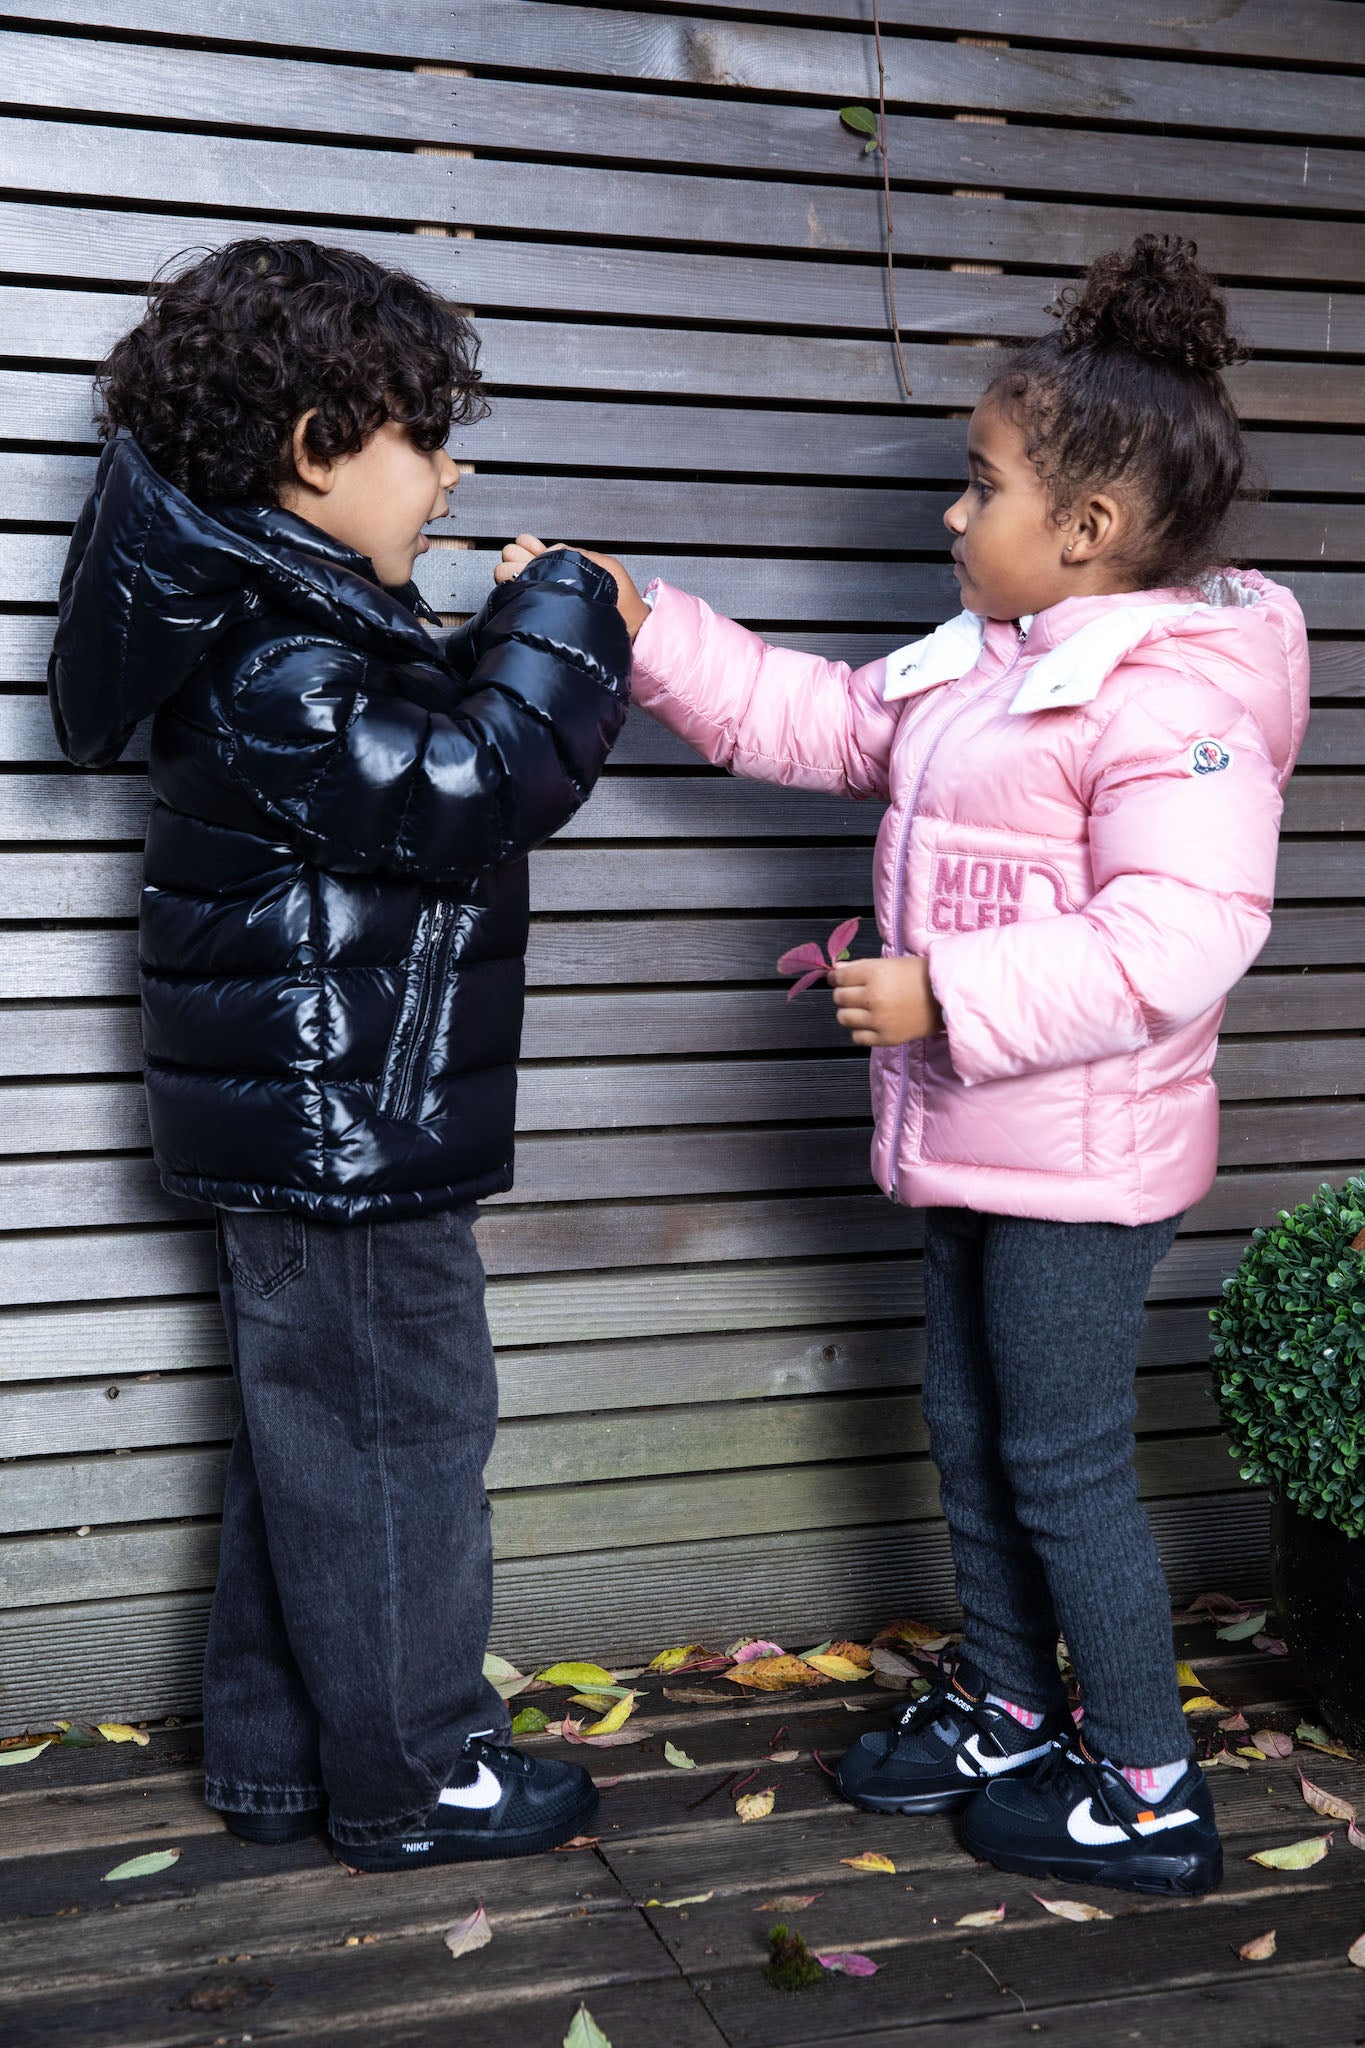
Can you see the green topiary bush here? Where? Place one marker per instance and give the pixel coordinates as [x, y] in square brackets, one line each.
[1289, 1361]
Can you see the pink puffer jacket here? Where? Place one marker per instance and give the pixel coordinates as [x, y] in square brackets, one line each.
[1081, 840]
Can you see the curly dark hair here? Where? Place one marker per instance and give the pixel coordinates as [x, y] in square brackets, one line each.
[236, 348]
[1127, 392]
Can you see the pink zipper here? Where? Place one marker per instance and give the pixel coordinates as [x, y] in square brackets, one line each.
[897, 876]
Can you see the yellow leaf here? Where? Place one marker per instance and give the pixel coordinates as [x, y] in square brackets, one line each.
[1260, 1950]
[842, 1668]
[1258, 1756]
[1072, 1909]
[775, 1674]
[870, 1860]
[1202, 1704]
[1318, 1738]
[669, 1660]
[915, 1635]
[617, 1718]
[583, 1676]
[26, 1753]
[598, 1702]
[756, 1805]
[856, 1653]
[1185, 1674]
[1295, 1855]
[991, 1918]
[119, 1731]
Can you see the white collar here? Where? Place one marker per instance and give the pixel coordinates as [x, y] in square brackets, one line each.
[1073, 672]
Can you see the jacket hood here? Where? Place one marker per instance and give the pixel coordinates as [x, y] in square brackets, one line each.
[152, 579]
[1238, 631]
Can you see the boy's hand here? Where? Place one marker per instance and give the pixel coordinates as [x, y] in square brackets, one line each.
[526, 547]
[885, 1002]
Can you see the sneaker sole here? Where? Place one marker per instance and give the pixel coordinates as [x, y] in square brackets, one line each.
[275, 1830]
[1179, 1876]
[912, 1802]
[455, 1845]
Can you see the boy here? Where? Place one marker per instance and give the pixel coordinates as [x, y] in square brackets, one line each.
[334, 915]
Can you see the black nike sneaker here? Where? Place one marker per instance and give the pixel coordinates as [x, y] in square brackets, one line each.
[943, 1748]
[498, 1803]
[1079, 1819]
[276, 1830]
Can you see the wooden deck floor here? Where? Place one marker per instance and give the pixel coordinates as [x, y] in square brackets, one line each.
[238, 1944]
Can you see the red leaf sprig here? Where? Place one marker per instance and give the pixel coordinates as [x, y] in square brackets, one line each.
[809, 961]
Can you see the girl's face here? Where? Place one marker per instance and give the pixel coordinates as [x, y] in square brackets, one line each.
[1013, 554]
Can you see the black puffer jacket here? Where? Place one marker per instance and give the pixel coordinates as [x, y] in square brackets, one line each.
[334, 909]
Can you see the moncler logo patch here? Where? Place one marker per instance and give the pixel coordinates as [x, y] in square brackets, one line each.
[1208, 756]
[970, 894]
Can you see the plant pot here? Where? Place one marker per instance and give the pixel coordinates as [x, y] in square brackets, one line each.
[1318, 1579]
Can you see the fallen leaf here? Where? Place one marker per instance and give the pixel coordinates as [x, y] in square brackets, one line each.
[1354, 1835]
[843, 1962]
[756, 1805]
[784, 1756]
[887, 1664]
[1318, 1738]
[142, 1866]
[530, 1721]
[1239, 1631]
[599, 1702]
[26, 1754]
[78, 1738]
[568, 1729]
[1260, 1950]
[1235, 1724]
[1231, 1762]
[991, 1917]
[1072, 1909]
[1272, 1744]
[693, 1696]
[1203, 1704]
[678, 1757]
[669, 1660]
[120, 1731]
[842, 1668]
[870, 1859]
[615, 1720]
[578, 1842]
[504, 1678]
[621, 1739]
[856, 1653]
[582, 1677]
[1356, 1952]
[913, 1635]
[1186, 1675]
[585, 2032]
[750, 1647]
[692, 1899]
[1220, 1605]
[1295, 1855]
[1274, 1646]
[1325, 1803]
[789, 1902]
[467, 1935]
[775, 1674]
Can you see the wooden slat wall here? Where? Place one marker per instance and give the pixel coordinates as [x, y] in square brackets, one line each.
[710, 1328]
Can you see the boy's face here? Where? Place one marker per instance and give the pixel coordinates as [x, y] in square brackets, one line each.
[376, 501]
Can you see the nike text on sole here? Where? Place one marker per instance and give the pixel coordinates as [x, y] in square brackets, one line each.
[1184, 1873]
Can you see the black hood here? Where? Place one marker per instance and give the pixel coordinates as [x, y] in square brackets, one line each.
[152, 580]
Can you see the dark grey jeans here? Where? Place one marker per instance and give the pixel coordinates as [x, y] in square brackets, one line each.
[1033, 1334]
[354, 1589]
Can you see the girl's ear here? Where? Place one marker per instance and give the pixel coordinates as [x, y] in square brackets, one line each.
[1094, 530]
[315, 471]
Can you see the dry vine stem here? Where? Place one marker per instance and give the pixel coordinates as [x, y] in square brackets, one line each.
[886, 197]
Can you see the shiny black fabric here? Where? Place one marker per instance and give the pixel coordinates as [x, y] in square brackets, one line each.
[334, 908]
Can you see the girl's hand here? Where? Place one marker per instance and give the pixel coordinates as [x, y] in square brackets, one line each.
[526, 547]
[885, 1002]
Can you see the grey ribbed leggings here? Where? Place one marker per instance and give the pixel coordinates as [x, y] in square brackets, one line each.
[1033, 1334]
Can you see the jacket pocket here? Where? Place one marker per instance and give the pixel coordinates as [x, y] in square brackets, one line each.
[408, 1062]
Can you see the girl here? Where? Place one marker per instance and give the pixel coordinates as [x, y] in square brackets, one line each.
[1083, 771]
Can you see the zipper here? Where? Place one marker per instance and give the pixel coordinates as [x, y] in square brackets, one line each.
[430, 977]
[897, 876]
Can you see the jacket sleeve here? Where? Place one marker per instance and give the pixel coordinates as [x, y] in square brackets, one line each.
[364, 777]
[762, 711]
[1183, 866]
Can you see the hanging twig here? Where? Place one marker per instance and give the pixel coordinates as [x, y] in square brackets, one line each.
[886, 198]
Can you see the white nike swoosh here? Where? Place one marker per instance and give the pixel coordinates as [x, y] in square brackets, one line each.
[987, 1766]
[1083, 1827]
[485, 1791]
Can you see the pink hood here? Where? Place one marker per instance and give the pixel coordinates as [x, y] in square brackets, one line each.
[1081, 839]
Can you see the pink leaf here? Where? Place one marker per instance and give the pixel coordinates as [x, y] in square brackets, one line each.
[806, 981]
[1274, 1645]
[802, 957]
[842, 937]
[842, 1962]
[1355, 1836]
[758, 1648]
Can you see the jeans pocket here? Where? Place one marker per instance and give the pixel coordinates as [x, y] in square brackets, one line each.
[266, 1251]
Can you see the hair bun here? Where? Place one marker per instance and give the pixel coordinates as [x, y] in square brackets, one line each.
[1151, 299]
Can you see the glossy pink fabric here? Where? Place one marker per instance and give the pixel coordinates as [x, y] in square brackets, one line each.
[1085, 897]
